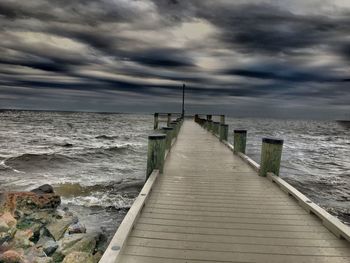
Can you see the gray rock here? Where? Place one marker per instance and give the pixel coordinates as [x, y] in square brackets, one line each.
[76, 243]
[58, 227]
[48, 244]
[43, 189]
[78, 257]
[76, 228]
[43, 260]
[50, 247]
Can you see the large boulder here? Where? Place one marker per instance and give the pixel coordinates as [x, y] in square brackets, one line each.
[58, 227]
[76, 243]
[24, 203]
[79, 257]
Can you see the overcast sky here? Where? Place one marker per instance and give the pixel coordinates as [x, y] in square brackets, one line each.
[286, 58]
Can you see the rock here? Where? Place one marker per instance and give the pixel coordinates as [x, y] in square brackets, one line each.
[86, 244]
[78, 257]
[50, 247]
[21, 203]
[5, 232]
[44, 189]
[8, 219]
[76, 228]
[22, 239]
[3, 226]
[58, 227]
[76, 243]
[11, 256]
[98, 255]
[43, 260]
[48, 244]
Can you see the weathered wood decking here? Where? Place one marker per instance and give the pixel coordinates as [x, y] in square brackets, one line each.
[210, 206]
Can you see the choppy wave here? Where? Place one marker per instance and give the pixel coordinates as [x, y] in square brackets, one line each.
[32, 160]
[118, 194]
[77, 189]
[107, 137]
[111, 150]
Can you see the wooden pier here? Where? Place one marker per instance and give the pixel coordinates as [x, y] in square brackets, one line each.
[211, 205]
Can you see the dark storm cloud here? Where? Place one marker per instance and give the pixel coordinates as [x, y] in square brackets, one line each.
[252, 50]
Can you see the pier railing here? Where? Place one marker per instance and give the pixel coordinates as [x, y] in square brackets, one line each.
[159, 145]
[269, 167]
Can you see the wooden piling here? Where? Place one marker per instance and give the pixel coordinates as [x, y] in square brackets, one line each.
[271, 153]
[216, 127]
[209, 117]
[239, 140]
[156, 121]
[222, 119]
[168, 120]
[223, 132]
[210, 125]
[168, 131]
[156, 152]
[174, 125]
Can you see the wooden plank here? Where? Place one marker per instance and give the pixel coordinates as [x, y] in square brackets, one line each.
[234, 220]
[243, 248]
[226, 214]
[235, 232]
[229, 225]
[241, 240]
[255, 210]
[215, 256]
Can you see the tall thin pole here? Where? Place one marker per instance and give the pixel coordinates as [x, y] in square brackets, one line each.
[183, 100]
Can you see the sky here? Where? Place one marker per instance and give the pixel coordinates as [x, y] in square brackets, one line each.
[244, 58]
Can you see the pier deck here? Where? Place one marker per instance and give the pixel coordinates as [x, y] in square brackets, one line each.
[211, 206]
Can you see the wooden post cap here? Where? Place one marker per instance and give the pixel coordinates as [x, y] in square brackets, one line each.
[272, 141]
[240, 131]
[156, 136]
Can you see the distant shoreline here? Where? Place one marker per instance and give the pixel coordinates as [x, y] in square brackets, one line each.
[340, 121]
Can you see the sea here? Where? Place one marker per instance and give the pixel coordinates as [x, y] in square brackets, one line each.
[97, 161]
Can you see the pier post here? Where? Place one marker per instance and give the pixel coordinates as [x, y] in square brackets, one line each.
[271, 153]
[222, 119]
[223, 132]
[209, 117]
[210, 125]
[216, 127]
[239, 140]
[169, 119]
[156, 152]
[156, 115]
[168, 131]
[174, 125]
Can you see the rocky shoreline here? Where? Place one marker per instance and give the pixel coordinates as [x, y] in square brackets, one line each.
[34, 228]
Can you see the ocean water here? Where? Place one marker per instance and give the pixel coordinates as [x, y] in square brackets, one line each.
[97, 161]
